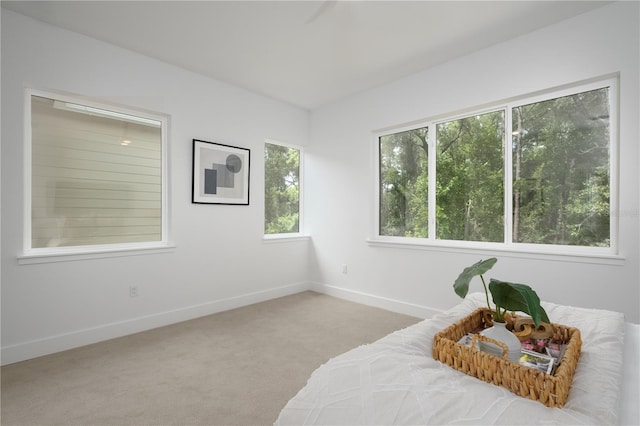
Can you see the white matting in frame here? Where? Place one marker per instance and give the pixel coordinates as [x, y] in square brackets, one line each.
[220, 173]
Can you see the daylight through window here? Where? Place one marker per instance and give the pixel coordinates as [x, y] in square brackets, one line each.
[449, 180]
[281, 189]
[561, 189]
[470, 178]
[403, 184]
[96, 176]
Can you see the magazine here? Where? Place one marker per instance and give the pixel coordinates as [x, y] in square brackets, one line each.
[466, 340]
[556, 350]
[543, 361]
[548, 347]
[537, 360]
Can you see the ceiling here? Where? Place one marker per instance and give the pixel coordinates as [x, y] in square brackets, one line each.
[306, 53]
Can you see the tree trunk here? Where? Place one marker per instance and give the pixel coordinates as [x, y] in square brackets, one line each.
[516, 178]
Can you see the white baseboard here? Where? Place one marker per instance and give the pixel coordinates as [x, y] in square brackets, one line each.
[392, 305]
[40, 347]
[35, 348]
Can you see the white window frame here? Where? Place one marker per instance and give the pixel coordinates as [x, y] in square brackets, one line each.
[70, 253]
[507, 247]
[290, 236]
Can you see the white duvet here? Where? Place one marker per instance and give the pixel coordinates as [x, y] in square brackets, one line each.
[396, 380]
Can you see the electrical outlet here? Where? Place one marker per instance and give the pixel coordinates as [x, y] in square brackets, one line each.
[133, 291]
[344, 268]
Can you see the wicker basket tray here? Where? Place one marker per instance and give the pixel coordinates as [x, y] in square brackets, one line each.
[551, 390]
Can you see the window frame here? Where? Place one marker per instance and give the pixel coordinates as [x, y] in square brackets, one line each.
[609, 254]
[30, 254]
[289, 236]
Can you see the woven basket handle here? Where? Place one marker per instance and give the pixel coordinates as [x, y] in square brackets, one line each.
[476, 337]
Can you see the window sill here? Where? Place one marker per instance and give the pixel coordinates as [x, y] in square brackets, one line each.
[75, 254]
[497, 249]
[285, 238]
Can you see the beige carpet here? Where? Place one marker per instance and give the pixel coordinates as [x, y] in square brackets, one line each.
[238, 367]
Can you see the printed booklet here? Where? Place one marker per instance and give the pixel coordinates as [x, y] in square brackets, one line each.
[529, 358]
[537, 360]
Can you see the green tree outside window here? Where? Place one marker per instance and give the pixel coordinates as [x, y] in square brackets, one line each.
[282, 189]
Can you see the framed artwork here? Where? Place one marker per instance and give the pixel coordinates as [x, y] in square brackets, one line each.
[220, 174]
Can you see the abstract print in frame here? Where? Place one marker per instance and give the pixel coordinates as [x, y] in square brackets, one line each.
[220, 174]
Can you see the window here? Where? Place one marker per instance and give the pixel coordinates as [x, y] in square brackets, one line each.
[470, 178]
[449, 180]
[95, 177]
[403, 183]
[281, 189]
[561, 178]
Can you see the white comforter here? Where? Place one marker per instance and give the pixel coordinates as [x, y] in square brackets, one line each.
[396, 380]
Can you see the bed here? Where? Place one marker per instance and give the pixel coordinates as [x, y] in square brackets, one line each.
[395, 380]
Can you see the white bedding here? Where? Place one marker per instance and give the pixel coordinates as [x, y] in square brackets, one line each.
[630, 401]
[396, 380]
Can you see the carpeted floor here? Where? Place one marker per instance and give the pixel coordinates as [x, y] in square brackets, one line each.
[238, 367]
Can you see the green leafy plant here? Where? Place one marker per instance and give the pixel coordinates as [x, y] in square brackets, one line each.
[506, 296]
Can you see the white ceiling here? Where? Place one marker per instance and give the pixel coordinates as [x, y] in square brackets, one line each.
[307, 53]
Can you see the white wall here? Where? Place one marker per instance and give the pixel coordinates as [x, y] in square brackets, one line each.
[341, 169]
[220, 261]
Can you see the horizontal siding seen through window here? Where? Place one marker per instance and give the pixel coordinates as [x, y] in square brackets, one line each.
[95, 179]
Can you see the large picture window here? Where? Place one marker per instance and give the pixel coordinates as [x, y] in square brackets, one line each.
[96, 177]
[550, 156]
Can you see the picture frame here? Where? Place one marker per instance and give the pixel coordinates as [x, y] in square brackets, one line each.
[220, 174]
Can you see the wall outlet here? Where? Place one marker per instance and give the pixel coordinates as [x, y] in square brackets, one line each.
[133, 291]
[344, 268]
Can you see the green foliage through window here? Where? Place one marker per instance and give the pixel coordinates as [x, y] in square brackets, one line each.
[561, 170]
[559, 177]
[403, 189]
[470, 178]
[282, 189]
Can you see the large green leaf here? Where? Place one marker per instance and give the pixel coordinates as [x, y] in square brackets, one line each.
[518, 297]
[461, 286]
